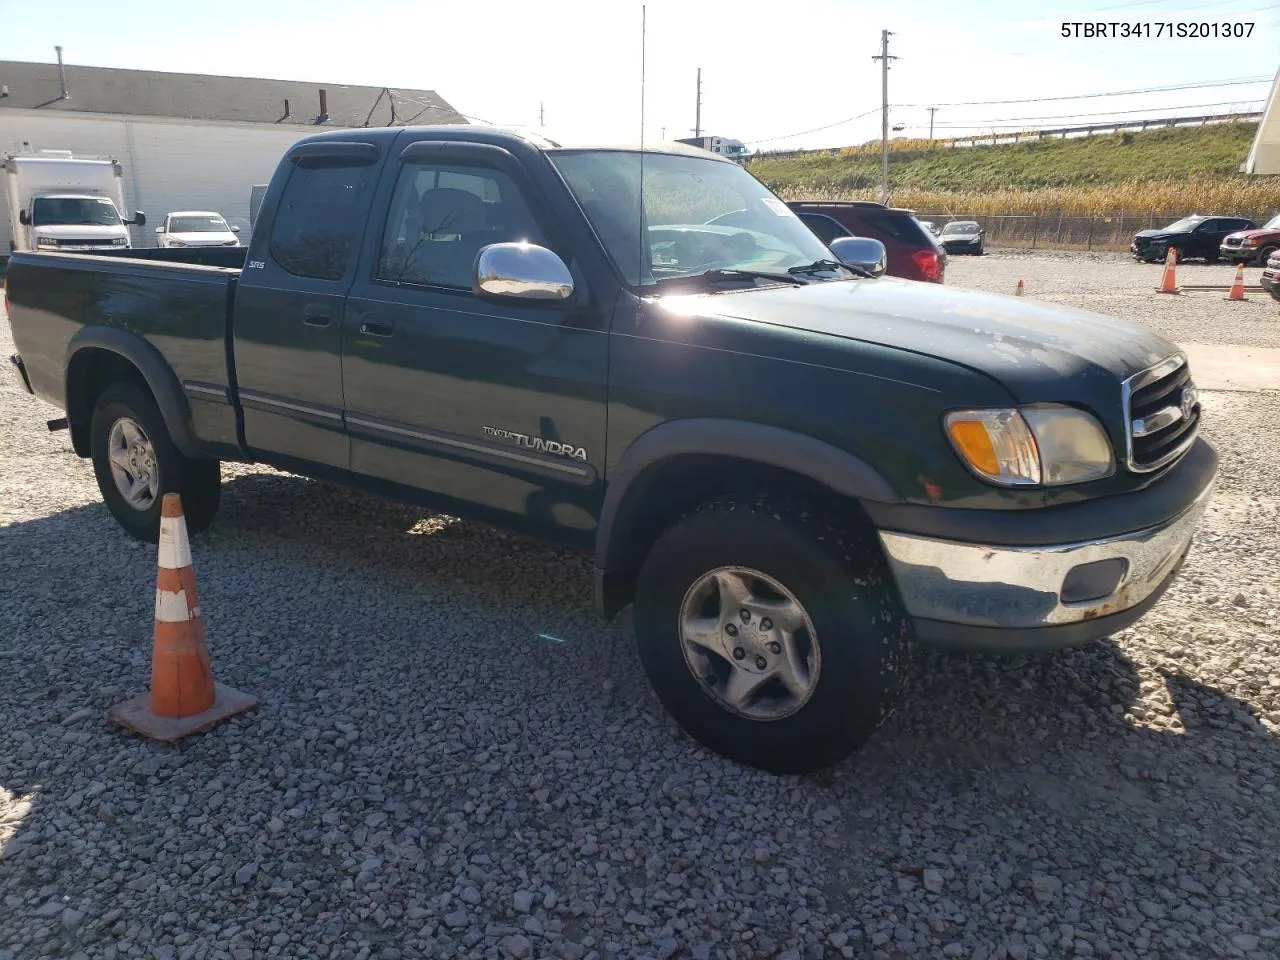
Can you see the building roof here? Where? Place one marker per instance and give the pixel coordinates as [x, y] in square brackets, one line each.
[1264, 154]
[151, 93]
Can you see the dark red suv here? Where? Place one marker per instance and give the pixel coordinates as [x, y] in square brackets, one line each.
[914, 252]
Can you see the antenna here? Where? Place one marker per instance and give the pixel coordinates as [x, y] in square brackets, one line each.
[640, 232]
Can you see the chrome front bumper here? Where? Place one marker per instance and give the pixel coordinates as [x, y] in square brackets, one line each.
[1020, 589]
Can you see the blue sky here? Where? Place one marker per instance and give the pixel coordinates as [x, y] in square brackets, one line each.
[770, 70]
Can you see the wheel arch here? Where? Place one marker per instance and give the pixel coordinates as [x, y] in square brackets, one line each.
[674, 466]
[99, 356]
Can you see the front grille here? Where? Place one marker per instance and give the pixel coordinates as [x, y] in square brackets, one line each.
[1162, 410]
[1233, 241]
[89, 242]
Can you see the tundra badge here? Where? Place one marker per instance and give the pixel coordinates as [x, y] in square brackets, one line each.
[537, 443]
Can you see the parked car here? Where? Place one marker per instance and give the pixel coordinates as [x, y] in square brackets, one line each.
[196, 228]
[913, 252]
[1270, 279]
[1252, 246]
[1196, 236]
[789, 467]
[963, 236]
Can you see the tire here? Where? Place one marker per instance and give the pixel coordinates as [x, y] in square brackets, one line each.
[198, 481]
[844, 590]
[1265, 254]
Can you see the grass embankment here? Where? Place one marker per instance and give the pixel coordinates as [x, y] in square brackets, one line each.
[1167, 171]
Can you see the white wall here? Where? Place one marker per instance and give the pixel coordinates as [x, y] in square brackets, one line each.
[167, 164]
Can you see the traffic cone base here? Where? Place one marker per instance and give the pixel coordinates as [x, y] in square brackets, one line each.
[183, 698]
[136, 715]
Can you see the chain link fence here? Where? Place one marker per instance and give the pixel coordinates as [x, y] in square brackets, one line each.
[1055, 232]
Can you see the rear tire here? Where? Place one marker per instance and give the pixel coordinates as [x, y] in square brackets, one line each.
[846, 656]
[133, 452]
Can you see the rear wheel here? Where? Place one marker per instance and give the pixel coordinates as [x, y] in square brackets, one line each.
[771, 634]
[136, 464]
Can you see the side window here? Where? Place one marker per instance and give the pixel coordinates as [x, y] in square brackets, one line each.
[321, 216]
[441, 216]
[825, 228]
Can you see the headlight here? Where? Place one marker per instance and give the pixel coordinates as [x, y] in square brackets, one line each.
[1248, 242]
[1047, 444]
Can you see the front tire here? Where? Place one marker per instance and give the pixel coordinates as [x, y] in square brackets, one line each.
[771, 634]
[136, 464]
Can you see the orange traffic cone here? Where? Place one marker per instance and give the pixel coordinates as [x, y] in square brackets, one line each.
[183, 698]
[1168, 280]
[1237, 287]
[1017, 291]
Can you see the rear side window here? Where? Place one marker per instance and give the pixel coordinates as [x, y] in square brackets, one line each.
[825, 228]
[321, 216]
[901, 227]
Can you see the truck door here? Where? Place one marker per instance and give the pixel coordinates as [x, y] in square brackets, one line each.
[500, 404]
[288, 310]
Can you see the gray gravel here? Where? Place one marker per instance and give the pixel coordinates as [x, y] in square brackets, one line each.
[451, 758]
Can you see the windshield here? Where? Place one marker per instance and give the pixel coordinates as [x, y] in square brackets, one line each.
[74, 211]
[700, 215]
[960, 228]
[1272, 224]
[205, 223]
[1185, 225]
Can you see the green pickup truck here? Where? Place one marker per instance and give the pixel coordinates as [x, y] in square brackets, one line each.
[790, 465]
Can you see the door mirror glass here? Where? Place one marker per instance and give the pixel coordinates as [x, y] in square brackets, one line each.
[864, 253]
[523, 271]
[235, 229]
[160, 229]
[24, 218]
[139, 218]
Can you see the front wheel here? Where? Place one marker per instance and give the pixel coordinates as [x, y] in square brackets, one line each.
[1265, 254]
[771, 634]
[136, 464]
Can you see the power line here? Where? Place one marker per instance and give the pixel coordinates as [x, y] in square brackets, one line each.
[1238, 81]
[801, 133]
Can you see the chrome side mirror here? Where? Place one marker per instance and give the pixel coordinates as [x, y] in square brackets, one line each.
[159, 229]
[861, 252]
[523, 271]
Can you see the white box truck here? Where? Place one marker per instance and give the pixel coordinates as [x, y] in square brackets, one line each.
[57, 202]
[735, 150]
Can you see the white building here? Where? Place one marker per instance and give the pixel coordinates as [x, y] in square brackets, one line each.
[187, 141]
[1264, 155]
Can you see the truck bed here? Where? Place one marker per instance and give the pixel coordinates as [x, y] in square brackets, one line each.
[178, 301]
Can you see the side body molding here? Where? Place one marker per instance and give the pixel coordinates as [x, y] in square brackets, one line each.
[155, 370]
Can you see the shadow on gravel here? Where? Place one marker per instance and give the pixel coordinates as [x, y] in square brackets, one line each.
[1002, 785]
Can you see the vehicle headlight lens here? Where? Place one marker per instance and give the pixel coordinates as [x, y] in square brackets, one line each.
[1049, 445]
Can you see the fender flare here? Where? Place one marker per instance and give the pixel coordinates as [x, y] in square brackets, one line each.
[155, 370]
[799, 453]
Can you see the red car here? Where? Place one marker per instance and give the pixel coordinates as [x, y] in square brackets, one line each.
[913, 252]
[1252, 246]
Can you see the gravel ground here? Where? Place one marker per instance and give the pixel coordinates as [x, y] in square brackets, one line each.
[451, 758]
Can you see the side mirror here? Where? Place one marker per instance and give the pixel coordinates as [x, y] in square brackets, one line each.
[160, 229]
[521, 271]
[24, 218]
[861, 252]
[139, 218]
[235, 229]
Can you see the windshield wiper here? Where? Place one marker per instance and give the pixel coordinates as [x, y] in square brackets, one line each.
[730, 274]
[819, 265]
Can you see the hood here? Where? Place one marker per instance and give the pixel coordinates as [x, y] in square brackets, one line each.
[204, 238]
[1040, 352]
[1158, 233]
[81, 231]
[1255, 234]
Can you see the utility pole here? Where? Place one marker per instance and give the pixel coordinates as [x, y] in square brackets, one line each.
[542, 121]
[884, 59]
[697, 110]
[932, 111]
